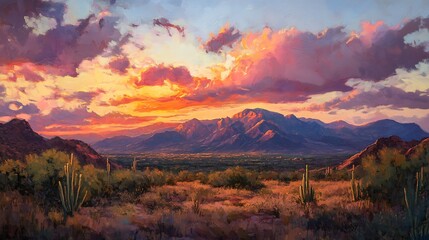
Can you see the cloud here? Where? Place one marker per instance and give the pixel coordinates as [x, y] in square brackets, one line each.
[83, 123]
[59, 50]
[119, 65]
[156, 75]
[2, 90]
[388, 96]
[15, 108]
[289, 65]
[227, 36]
[165, 23]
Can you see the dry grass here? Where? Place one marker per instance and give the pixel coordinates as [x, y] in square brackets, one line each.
[167, 212]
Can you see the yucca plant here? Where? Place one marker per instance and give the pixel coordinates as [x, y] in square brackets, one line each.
[306, 192]
[356, 188]
[72, 195]
[417, 208]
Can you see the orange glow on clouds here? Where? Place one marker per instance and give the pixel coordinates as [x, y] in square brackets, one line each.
[110, 79]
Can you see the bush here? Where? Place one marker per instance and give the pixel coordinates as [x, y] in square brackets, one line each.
[289, 176]
[12, 175]
[95, 180]
[159, 178]
[385, 175]
[128, 181]
[46, 169]
[20, 217]
[236, 177]
[186, 176]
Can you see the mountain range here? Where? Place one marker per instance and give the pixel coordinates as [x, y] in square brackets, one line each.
[17, 139]
[260, 130]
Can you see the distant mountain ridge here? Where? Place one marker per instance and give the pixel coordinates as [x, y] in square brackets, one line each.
[260, 130]
[17, 139]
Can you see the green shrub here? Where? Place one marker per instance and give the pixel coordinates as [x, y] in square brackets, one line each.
[268, 175]
[46, 169]
[127, 181]
[236, 177]
[186, 176]
[95, 180]
[12, 175]
[386, 174]
[289, 176]
[202, 177]
[159, 178]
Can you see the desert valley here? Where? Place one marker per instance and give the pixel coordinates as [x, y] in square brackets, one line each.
[225, 194]
[186, 119]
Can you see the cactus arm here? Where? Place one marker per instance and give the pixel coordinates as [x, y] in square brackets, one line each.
[72, 197]
[60, 188]
[78, 191]
[83, 199]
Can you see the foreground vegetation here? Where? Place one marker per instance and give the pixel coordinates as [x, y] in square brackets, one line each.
[385, 198]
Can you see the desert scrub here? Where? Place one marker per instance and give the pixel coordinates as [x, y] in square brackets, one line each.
[236, 177]
[385, 174]
[159, 178]
[127, 180]
[12, 175]
[46, 169]
[198, 197]
[20, 217]
[95, 180]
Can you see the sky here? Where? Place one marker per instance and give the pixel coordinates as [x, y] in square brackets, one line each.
[91, 69]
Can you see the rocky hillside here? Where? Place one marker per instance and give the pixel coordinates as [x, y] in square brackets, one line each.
[409, 148]
[17, 140]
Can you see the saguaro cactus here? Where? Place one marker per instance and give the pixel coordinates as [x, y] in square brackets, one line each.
[416, 208]
[71, 193]
[356, 189]
[108, 170]
[134, 166]
[328, 171]
[306, 192]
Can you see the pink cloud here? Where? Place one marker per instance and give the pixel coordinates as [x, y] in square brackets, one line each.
[61, 49]
[156, 75]
[290, 65]
[227, 36]
[119, 65]
[165, 23]
[388, 96]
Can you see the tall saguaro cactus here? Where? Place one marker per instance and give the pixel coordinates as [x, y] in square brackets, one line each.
[356, 189]
[417, 207]
[108, 171]
[306, 192]
[71, 194]
[134, 166]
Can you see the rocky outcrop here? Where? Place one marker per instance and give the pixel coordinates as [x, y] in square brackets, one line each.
[405, 147]
[17, 140]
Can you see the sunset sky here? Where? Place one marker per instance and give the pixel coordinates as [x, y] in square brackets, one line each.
[101, 68]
